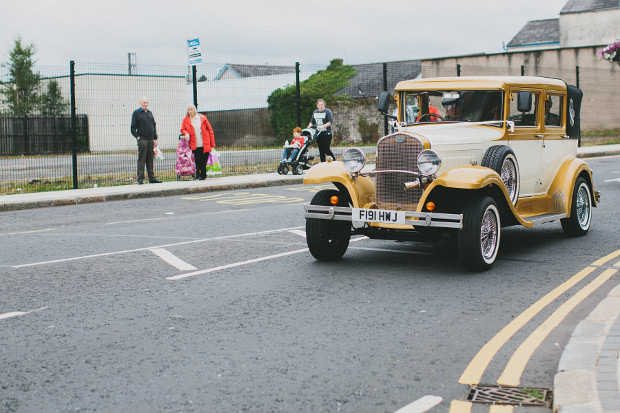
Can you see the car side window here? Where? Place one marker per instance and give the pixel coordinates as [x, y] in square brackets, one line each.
[553, 109]
[524, 118]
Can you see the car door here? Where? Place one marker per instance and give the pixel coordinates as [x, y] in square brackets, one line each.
[527, 140]
[556, 145]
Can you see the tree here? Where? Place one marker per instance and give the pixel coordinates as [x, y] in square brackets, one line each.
[321, 85]
[52, 102]
[21, 91]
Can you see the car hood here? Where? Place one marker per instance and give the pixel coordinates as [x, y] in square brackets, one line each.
[456, 134]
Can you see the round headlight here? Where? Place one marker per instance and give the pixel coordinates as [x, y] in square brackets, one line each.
[354, 159]
[428, 162]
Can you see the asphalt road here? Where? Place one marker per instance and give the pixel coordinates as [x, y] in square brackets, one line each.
[211, 302]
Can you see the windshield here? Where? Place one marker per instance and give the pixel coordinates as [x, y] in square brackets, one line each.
[453, 106]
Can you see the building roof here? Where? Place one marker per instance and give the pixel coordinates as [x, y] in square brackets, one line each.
[241, 71]
[369, 79]
[537, 32]
[580, 6]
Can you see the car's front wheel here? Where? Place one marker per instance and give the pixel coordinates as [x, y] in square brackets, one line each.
[479, 239]
[327, 240]
[578, 222]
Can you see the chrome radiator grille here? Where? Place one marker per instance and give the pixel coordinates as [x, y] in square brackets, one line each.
[397, 152]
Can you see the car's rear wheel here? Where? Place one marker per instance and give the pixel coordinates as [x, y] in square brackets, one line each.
[578, 223]
[502, 160]
[327, 240]
[479, 239]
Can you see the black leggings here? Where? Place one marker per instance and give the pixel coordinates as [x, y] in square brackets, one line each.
[201, 162]
[324, 140]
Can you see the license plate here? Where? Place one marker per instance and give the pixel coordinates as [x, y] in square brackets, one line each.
[378, 215]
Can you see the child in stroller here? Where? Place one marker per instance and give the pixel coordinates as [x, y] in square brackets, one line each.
[295, 156]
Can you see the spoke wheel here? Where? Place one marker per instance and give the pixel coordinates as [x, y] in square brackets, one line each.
[502, 160]
[578, 223]
[479, 239]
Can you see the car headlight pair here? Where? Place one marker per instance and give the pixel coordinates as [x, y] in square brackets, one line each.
[428, 161]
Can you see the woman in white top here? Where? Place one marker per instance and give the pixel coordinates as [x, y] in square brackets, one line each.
[197, 130]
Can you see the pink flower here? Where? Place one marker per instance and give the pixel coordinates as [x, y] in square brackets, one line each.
[611, 52]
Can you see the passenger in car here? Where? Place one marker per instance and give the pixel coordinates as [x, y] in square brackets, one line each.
[453, 109]
[493, 110]
[551, 119]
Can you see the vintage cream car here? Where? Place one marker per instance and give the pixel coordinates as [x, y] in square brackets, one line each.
[468, 156]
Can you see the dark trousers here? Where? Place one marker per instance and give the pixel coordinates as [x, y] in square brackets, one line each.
[201, 162]
[324, 140]
[145, 156]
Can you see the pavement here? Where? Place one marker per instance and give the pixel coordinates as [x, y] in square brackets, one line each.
[588, 378]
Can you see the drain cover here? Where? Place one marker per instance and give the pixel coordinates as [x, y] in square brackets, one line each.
[522, 396]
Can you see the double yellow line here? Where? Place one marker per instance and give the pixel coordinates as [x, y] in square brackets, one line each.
[511, 376]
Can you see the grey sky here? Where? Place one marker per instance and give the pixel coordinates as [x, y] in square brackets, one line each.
[267, 31]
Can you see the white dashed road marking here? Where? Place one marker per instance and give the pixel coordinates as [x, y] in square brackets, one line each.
[235, 264]
[172, 259]
[104, 254]
[238, 264]
[18, 313]
[298, 232]
[421, 405]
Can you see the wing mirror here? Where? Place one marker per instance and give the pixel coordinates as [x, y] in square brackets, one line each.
[383, 104]
[524, 101]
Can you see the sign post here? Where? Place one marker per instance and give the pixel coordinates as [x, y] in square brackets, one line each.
[195, 57]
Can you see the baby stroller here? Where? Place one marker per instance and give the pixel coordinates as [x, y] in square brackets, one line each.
[301, 160]
[186, 162]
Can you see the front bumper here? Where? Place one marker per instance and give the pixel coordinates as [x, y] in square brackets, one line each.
[415, 219]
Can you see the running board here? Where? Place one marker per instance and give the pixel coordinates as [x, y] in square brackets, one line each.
[542, 218]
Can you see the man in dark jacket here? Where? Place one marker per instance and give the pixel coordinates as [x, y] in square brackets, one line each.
[143, 129]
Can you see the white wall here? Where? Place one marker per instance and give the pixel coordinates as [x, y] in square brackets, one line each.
[109, 101]
[585, 29]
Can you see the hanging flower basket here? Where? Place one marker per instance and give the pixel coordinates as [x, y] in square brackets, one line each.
[612, 52]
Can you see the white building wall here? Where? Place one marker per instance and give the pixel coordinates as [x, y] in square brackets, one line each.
[242, 93]
[109, 101]
[585, 29]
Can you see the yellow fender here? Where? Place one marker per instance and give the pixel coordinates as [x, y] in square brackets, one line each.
[473, 177]
[361, 188]
[565, 178]
[470, 177]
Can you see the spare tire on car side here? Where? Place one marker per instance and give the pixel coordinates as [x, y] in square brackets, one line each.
[502, 160]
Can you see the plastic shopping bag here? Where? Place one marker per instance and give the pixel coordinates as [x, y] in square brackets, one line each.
[157, 153]
[214, 157]
[213, 163]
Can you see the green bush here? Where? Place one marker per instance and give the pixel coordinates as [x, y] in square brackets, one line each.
[324, 84]
[368, 131]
